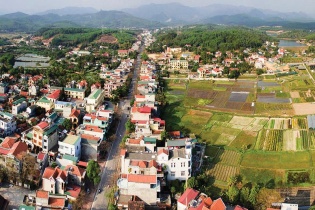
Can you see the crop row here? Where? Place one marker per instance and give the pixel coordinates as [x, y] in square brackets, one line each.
[274, 140]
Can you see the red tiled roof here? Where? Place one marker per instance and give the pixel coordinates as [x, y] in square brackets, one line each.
[142, 164]
[134, 163]
[153, 163]
[74, 191]
[82, 164]
[145, 109]
[44, 91]
[41, 156]
[23, 93]
[42, 194]
[89, 137]
[239, 208]
[162, 122]
[4, 151]
[3, 95]
[49, 172]
[8, 143]
[144, 77]
[123, 152]
[134, 141]
[189, 195]
[75, 170]
[17, 149]
[43, 125]
[57, 202]
[54, 173]
[139, 96]
[142, 178]
[93, 128]
[208, 201]
[165, 151]
[174, 133]
[218, 205]
[140, 122]
[122, 51]
[54, 95]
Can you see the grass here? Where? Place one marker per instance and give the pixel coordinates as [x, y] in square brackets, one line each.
[201, 85]
[276, 160]
[211, 151]
[222, 117]
[246, 138]
[262, 175]
[219, 88]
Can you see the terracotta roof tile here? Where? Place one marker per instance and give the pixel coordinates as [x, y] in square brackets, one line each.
[75, 113]
[54, 95]
[89, 137]
[218, 205]
[153, 163]
[142, 178]
[17, 149]
[142, 164]
[43, 125]
[82, 164]
[189, 195]
[42, 194]
[41, 156]
[123, 152]
[8, 143]
[57, 202]
[165, 151]
[74, 191]
[134, 141]
[74, 170]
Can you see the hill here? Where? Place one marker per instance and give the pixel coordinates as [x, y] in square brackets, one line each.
[70, 11]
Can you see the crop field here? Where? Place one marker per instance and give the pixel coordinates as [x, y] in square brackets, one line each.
[279, 123]
[228, 165]
[244, 139]
[270, 109]
[299, 123]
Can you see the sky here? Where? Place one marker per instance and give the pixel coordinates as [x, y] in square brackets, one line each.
[33, 6]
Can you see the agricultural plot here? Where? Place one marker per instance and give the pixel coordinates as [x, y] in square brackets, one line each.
[302, 142]
[262, 84]
[279, 123]
[244, 139]
[274, 109]
[238, 96]
[273, 140]
[299, 123]
[212, 151]
[312, 139]
[238, 120]
[289, 140]
[225, 165]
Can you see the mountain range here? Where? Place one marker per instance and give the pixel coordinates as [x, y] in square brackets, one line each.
[153, 16]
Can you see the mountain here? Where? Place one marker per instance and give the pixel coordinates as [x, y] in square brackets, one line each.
[175, 13]
[112, 19]
[70, 11]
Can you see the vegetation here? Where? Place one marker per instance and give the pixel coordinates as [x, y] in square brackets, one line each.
[93, 171]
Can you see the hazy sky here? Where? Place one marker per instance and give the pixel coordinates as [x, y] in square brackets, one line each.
[33, 6]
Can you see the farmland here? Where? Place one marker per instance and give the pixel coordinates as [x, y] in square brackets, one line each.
[256, 129]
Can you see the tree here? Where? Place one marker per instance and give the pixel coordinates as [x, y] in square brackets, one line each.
[266, 197]
[192, 182]
[93, 171]
[67, 124]
[233, 194]
[130, 127]
[28, 170]
[173, 190]
[144, 56]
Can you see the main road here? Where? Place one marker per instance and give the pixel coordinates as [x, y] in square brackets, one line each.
[100, 200]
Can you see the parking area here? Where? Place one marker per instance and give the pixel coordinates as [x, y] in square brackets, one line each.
[14, 194]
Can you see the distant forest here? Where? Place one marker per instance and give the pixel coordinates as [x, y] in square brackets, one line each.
[201, 38]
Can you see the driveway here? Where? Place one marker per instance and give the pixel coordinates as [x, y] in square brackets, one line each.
[14, 194]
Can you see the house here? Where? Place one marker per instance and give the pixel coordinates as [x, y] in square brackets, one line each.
[218, 204]
[239, 208]
[90, 146]
[146, 187]
[6, 145]
[7, 124]
[184, 200]
[140, 114]
[122, 53]
[19, 106]
[31, 110]
[75, 117]
[13, 158]
[75, 175]
[71, 145]
[177, 162]
[45, 103]
[178, 64]
[93, 119]
[46, 201]
[94, 100]
[45, 136]
[75, 93]
[82, 85]
[42, 160]
[289, 206]
[54, 96]
[54, 180]
[4, 203]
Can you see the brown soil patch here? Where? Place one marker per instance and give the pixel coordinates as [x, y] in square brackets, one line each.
[107, 39]
[304, 108]
[295, 94]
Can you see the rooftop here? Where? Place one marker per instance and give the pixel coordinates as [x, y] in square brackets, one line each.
[95, 94]
[142, 178]
[75, 89]
[189, 195]
[71, 139]
[44, 100]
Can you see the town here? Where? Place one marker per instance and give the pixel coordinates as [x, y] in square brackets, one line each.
[189, 117]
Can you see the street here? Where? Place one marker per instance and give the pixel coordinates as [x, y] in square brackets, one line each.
[100, 201]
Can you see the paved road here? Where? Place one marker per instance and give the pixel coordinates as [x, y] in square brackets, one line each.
[100, 201]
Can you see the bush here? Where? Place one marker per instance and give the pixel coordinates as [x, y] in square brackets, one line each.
[298, 177]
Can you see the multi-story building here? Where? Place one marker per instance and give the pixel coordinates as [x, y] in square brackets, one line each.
[71, 145]
[54, 180]
[19, 106]
[45, 103]
[93, 119]
[75, 93]
[54, 96]
[94, 100]
[45, 136]
[178, 64]
[7, 124]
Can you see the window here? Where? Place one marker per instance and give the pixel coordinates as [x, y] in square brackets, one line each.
[173, 165]
[182, 173]
[182, 164]
[172, 173]
[188, 163]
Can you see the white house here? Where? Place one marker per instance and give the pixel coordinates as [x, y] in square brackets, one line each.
[71, 145]
[7, 123]
[19, 106]
[94, 100]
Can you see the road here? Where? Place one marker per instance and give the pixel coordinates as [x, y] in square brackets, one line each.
[100, 201]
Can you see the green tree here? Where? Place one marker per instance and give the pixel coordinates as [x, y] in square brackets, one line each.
[93, 171]
[266, 197]
[130, 127]
[192, 182]
[244, 195]
[67, 124]
[144, 56]
[173, 190]
[233, 194]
